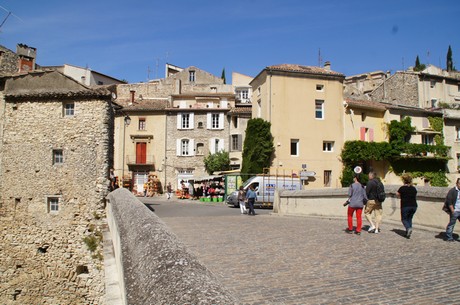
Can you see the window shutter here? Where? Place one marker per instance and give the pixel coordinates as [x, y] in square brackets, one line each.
[230, 140]
[179, 120]
[371, 134]
[212, 145]
[192, 121]
[221, 145]
[362, 133]
[208, 120]
[178, 147]
[240, 142]
[191, 147]
[221, 120]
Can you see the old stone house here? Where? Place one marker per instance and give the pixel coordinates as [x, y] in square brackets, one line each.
[56, 146]
[174, 123]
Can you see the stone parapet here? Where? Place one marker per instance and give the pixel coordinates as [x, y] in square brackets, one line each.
[329, 203]
[156, 267]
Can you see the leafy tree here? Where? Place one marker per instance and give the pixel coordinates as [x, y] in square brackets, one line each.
[223, 76]
[220, 161]
[449, 63]
[258, 147]
[400, 133]
[418, 65]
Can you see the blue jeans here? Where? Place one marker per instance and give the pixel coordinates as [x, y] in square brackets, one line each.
[407, 213]
[451, 225]
[251, 206]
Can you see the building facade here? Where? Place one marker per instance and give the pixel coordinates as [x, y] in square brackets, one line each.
[305, 108]
[186, 116]
[56, 147]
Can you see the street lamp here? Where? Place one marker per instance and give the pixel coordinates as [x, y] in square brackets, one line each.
[127, 121]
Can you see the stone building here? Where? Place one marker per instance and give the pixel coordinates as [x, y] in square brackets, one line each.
[57, 140]
[175, 122]
[429, 88]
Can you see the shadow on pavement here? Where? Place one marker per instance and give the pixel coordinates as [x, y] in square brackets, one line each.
[400, 232]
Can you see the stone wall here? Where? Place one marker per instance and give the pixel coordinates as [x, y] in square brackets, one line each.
[156, 266]
[401, 88]
[9, 61]
[329, 203]
[43, 257]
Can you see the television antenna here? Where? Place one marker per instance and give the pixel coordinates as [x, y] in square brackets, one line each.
[7, 16]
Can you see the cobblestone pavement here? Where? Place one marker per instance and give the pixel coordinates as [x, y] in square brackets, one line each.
[270, 259]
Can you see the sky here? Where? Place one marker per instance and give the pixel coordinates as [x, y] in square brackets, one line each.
[132, 40]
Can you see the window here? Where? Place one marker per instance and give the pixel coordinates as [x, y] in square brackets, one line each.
[363, 116]
[52, 204]
[327, 178]
[428, 139]
[215, 120]
[434, 103]
[432, 84]
[243, 94]
[319, 109]
[366, 134]
[185, 120]
[457, 133]
[458, 162]
[69, 109]
[236, 141]
[185, 123]
[216, 145]
[142, 125]
[184, 148]
[294, 147]
[58, 157]
[328, 146]
[191, 76]
[458, 88]
[200, 124]
[319, 87]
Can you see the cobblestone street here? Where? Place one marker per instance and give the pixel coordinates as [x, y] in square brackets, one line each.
[270, 259]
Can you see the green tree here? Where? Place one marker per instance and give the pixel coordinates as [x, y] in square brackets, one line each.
[220, 161]
[418, 65]
[223, 76]
[258, 147]
[449, 63]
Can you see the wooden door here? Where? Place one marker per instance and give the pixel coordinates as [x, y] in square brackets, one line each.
[141, 153]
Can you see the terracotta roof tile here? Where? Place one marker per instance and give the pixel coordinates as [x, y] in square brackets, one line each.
[144, 105]
[304, 69]
[366, 104]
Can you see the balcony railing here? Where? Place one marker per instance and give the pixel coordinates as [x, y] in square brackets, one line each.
[133, 160]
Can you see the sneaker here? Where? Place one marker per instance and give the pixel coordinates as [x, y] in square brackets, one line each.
[376, 231]
[371, 229]
[358, 233]
[409, 232]
[450, 240]
[349, 231]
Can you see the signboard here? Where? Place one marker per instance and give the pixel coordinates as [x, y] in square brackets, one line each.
[304, 175]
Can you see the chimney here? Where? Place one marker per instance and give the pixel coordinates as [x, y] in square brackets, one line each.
[327, 65]
[26, 56]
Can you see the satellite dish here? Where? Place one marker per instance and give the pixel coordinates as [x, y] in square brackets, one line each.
[358, 170]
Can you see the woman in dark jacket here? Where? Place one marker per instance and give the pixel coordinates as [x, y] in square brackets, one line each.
[408, 195]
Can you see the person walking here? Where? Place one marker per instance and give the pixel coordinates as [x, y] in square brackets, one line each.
[373, 205]
[453, 204]
[251, 196]
[168, 191]
[241, 200]
[408, 195]
[356, 199]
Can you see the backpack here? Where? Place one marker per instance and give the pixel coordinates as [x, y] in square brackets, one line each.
[381, 196]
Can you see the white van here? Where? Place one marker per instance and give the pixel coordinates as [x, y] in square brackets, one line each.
[265, 188]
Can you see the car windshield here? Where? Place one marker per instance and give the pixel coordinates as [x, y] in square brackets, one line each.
[245, 184]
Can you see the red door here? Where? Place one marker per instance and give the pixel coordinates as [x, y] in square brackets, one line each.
[141, 153]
